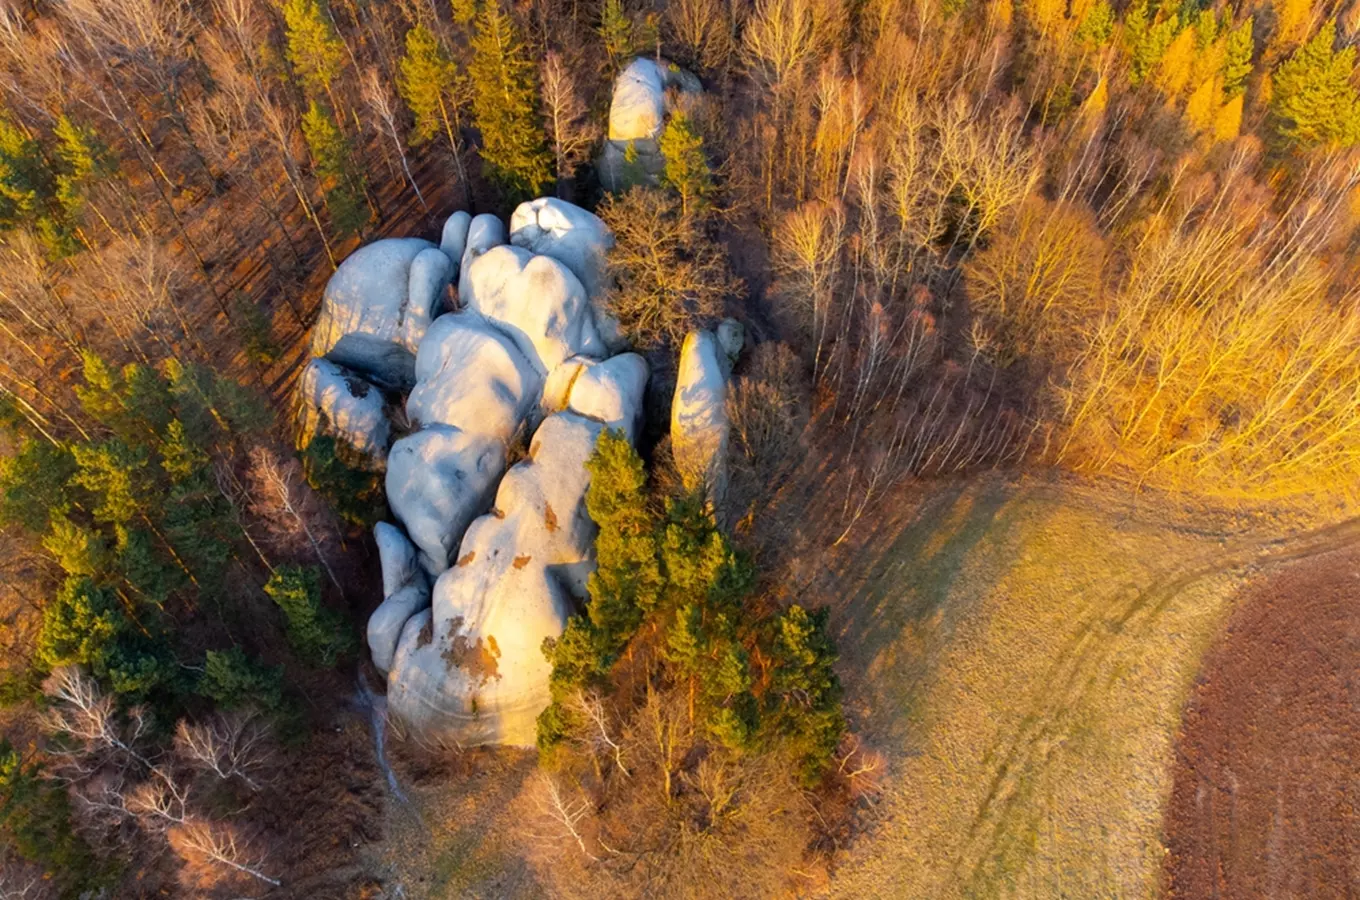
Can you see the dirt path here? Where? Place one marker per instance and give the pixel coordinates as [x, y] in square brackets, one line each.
[1268, 769]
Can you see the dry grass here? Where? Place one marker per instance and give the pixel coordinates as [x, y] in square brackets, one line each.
[1022, 654]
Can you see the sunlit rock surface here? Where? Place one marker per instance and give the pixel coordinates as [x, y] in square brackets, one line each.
[474, 670]
[699, 421]
[470, 590]
[578, 240]
[637, 116]
[438, 480]
[377, 306]
[484, 232]
[406, 591]
[338, 402]
[638, 108]
[537, 301]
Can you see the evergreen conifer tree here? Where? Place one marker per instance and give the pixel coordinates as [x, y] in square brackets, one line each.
[505, 106]
[1314, 102]
[343, 183]
[315, 49]
[686, 168]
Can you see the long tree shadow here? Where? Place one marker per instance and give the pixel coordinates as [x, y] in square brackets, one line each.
[888, 618]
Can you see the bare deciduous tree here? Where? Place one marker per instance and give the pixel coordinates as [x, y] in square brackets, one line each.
[571, 132]
[280, 496]
[205, 846]
[563, 813]
[229, 745]
[379, 101]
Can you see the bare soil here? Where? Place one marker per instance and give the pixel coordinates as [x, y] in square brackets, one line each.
[1268, 769]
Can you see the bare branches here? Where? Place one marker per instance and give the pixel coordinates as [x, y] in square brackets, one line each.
[230, 745]
[207, 845]
[379, 101]
[564, 813]
[591, 707]
[571, 132]
[280, 496]
[83, 713]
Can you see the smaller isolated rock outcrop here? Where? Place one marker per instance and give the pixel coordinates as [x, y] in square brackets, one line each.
[637, 116]
[699, 421]
[406, 591]
[336, 401]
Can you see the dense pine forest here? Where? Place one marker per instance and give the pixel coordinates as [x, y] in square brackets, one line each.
[1111, 240]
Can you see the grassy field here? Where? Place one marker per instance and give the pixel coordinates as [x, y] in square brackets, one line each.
[1022, 653]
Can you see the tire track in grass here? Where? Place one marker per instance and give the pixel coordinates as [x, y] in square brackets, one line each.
[1082, 667]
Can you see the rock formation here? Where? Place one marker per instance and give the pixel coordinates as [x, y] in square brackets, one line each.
[578, 240]
[523, 352]
[337, 401]
[472, 668]
[377, 306]
[699, 420]
[637, 116]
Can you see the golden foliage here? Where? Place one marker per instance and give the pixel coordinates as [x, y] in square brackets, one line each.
[1202, 107]
[1173, 72]
[1038, 280]
[1225, 364]
[1228, 119]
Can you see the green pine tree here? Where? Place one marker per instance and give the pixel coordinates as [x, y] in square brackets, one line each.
[344, 185]
[1237, 58]
[318, 634]
[1096, 26]
[315, 49]
[686, 168]
[505, 106]
[430, 85]
[464, 12]
[35, 824]
[232, 679]
[85, 160]
[1314, 102]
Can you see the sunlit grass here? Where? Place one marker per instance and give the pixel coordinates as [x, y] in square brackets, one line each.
[1028, 651]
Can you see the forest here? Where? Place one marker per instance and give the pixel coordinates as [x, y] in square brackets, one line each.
[1114, 242]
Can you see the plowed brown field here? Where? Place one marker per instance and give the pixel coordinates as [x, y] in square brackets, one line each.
[1267, 782]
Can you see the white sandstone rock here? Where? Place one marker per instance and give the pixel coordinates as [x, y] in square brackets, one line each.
[731, 336]
[578, 240]
[699, 423]
[406, 591]
[535, 300]
[396, 557]
[473, 670]
[484, 232]
[438, 480]
[369, 303]
[470, 375]
[638, 106]
[610, 392]
[387, 621]
[471, 667]
[453, 239]
[337, 401]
